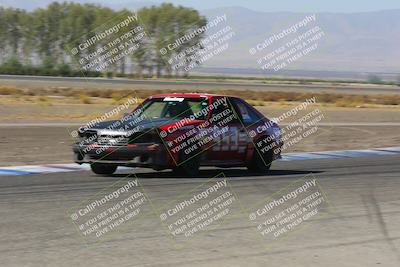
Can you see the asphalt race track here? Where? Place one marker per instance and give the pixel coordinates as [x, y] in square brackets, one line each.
[361, 227]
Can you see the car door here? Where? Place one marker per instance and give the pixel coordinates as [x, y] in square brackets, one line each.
[230, 138]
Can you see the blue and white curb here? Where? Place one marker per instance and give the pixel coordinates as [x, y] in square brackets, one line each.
[72, 167]
[38, 169]
[336, 154]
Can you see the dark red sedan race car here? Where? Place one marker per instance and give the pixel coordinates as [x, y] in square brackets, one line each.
[182, 132]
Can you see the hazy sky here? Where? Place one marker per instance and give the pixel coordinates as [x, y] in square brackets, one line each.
[297, 5]
[259, 5]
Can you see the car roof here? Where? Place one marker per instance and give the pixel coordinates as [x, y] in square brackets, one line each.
[189, 95]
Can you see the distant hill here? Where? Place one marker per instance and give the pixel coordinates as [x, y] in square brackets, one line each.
[353, 42]
[356, 42]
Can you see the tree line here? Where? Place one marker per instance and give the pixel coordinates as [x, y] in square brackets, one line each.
[38, 42]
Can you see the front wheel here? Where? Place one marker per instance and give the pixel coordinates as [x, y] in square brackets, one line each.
[103, 169]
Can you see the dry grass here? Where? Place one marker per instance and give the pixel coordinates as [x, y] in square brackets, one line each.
[256, 98]
[257, 103]
[10, 90]
[84, 99]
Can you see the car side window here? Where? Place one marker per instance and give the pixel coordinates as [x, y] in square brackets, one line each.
[221, 108]
[246, 114]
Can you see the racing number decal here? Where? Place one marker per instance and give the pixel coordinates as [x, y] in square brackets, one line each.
[232, 140]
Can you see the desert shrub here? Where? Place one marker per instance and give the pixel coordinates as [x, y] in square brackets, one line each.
[85, 99]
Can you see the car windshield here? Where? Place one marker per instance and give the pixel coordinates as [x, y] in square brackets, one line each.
[175, 108]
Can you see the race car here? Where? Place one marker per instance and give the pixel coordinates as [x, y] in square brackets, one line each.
[182, 132]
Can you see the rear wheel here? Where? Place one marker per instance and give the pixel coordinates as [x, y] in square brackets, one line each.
[262, 159]
[103, 169]
[189, 165]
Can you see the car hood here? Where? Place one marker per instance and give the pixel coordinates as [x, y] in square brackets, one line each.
[127, 125]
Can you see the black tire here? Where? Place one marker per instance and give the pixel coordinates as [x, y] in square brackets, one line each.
[261, 161]
[103, 169]
[189, 165]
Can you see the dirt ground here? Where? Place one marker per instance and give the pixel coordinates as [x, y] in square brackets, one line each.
[341, 128]
[67, 110]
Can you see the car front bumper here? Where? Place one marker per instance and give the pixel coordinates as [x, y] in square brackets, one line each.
[140, 155]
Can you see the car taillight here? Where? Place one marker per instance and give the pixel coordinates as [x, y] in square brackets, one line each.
[154, 147]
